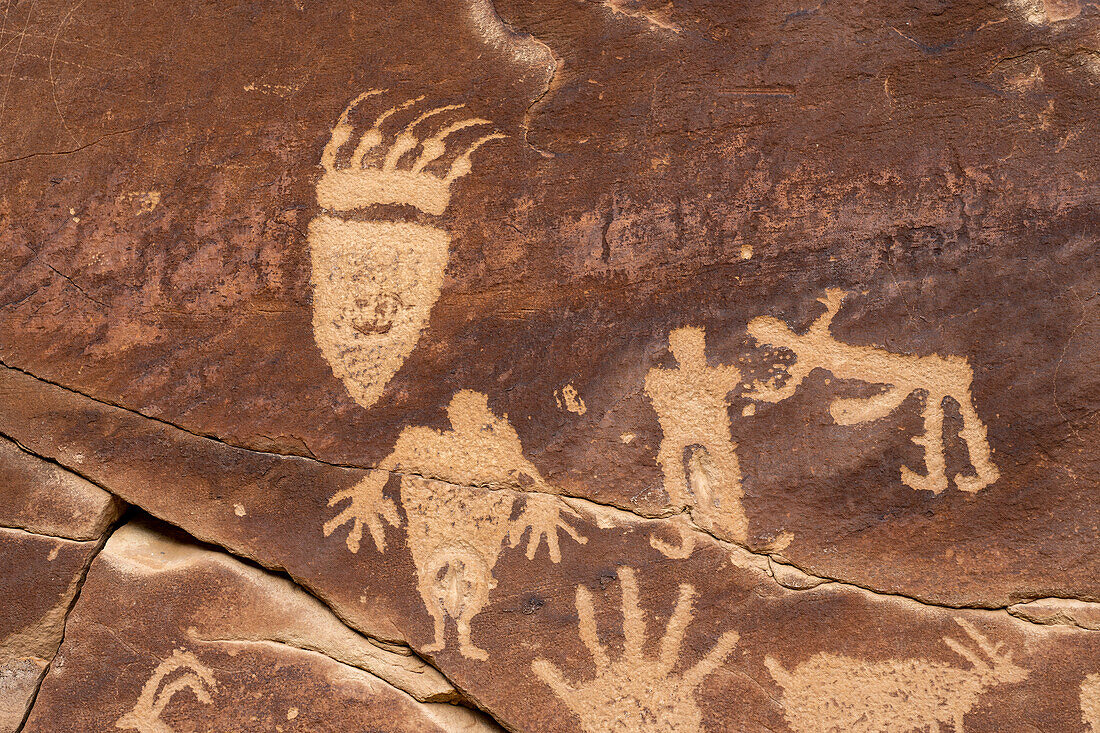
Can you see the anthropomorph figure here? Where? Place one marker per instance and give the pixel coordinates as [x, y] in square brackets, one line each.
[697, 453]
[937, 377]
[458, 488]
[375, 279]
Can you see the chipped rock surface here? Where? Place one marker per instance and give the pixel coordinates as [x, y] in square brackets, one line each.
[597, 366]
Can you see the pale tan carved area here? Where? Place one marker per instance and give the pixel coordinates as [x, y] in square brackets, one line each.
[375, 281]
[697, 455]
[636, 692]
[456, 530]
[833, 693]
[1090, 702]
[145, 715]
[937, 377]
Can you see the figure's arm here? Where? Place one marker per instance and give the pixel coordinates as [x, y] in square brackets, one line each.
[366, 506]
[543, 516]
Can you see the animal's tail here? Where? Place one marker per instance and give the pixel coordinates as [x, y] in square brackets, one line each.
[780, 675]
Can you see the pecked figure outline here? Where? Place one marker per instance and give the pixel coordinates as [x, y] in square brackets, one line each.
[835, 693]
[636, 692]
[458, 489]
[938, 377]
[375, 280]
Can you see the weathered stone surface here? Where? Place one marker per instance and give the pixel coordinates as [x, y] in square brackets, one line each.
[795, 302]
[200, 641]
[44, 498]
[40, 579]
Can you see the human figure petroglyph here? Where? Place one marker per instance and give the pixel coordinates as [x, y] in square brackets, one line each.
[145, 715]
[636, 692]
[832, 693]
[375, 281]
[1090, 702]
[697, 454]
[458, 489]
[938, 377]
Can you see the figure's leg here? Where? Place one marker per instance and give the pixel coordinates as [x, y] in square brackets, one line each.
[719, 499]
[670, 458]
[973, 434]
[434, 609]
[850, 411]
[932, 440]
[467, 647]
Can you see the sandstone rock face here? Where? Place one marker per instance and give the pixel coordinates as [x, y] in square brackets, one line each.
[601, 366]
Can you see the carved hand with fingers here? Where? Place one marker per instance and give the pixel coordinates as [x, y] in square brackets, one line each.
[543, 516]
[366, 505]
[636, 693]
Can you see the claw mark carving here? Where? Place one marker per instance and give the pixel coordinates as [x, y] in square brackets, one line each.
[456, 532]
[938, 377]
[145, 715]
[837, 694]
[375, 281]
[635, 692]
[691, 407]
[1090, 702]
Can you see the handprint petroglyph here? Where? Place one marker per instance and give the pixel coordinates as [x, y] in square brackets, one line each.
[938, 377]
[145, 715]
[375, 281]
[636, 693]
[458, 489]
[697, 453]
[832, 693]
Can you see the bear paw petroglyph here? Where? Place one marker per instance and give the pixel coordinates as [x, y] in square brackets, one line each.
[375, 280]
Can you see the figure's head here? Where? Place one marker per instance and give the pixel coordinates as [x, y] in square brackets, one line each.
[688, 345]
[469, 411]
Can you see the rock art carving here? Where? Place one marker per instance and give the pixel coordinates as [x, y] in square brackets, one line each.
[1090, 702]
[697, 452]
[938, 377]
[832, 693]
[145, 715]
[457, 489]
[635, 692]
[375, 281]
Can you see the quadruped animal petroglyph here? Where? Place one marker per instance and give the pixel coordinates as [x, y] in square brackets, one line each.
[374, 280]
[937, 377]
[144, 717]
[636, 693]
[458, 489]
[832, 693]
[697, 454]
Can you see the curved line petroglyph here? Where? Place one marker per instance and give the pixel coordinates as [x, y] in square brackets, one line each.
[375, 281]
[456, 531]
[832, 693]
[634, 692]
[938, 377]
[697, 454]
[145, 715]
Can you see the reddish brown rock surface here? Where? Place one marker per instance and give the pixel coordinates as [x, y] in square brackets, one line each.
[629, 365]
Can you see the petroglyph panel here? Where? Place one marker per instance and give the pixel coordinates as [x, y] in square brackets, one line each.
[776, 320]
